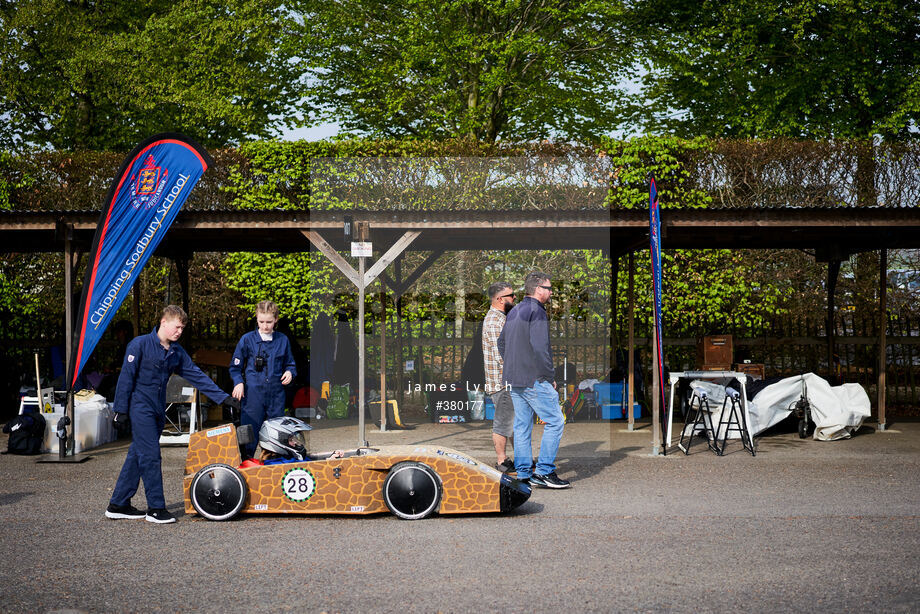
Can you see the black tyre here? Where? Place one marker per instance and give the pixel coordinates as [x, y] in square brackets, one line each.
[412, 490]
[803, 429]
[218, 492]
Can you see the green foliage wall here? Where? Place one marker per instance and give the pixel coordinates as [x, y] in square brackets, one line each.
[279, 175]
[702, 287]
[691, 173]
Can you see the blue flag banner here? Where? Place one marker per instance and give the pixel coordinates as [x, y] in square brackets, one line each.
[152, 185]
[655, 240]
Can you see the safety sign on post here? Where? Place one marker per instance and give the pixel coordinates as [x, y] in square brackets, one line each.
[362, 249]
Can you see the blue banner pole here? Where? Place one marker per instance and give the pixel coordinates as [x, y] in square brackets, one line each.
[658, 388]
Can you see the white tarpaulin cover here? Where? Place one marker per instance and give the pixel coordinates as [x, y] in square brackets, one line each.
[837, 411]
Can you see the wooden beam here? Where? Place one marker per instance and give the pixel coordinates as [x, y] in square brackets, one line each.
[383, 357]
[394, 286]
[833, 269]
[390, 255]
[615, 275]
[68, 300]
[182, 266]
[400, 396]
[630, 345]
[362, 350]
[68, 341]
[362, 279]
[341, 264]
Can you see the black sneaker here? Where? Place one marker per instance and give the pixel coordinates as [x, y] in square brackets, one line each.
[506, 466]
[161, 516]
[550, 480]
[123, 511]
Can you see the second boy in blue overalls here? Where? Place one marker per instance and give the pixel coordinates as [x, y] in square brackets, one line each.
[262, 365]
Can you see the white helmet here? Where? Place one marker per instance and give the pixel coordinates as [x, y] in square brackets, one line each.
[285, 436]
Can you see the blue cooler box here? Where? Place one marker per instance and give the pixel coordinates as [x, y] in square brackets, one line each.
[611, 398]
[490, 409]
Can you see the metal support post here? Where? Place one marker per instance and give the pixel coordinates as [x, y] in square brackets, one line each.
[882, 336]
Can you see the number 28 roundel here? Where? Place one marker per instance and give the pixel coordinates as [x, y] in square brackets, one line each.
[298, 484]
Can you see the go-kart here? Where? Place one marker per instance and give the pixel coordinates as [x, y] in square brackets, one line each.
[412, 482]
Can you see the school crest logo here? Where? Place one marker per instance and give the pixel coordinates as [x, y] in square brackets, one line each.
[148, 184]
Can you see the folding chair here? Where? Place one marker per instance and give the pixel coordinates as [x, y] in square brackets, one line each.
[182, 411]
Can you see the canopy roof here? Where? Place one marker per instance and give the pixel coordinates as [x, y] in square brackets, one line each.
[844, 230]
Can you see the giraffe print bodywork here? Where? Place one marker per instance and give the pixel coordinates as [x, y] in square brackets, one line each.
[350, 485]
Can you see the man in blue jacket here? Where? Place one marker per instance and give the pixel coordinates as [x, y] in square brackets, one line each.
[525, 348]
[262, 365]
[140, 402]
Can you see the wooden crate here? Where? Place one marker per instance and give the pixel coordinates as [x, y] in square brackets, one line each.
[754, 369]
[716, 367]
[212, 358]
[715, 350]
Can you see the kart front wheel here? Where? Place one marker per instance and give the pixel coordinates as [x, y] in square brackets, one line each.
[412, 490]
[218, 492]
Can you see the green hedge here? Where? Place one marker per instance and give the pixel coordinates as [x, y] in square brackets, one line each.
[461, 175]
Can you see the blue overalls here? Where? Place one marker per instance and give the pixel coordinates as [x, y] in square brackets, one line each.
[263, 396]
[141, 393]
[281, 460]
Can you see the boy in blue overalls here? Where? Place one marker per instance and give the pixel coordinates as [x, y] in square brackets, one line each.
[140, 401]
[262, 365]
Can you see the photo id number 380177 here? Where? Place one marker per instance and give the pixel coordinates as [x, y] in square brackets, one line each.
[457, 405]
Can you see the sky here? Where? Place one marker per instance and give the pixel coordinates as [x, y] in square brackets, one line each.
[316, 133]
[325, 131]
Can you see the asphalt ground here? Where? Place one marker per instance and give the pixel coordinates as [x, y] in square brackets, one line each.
[804, 526]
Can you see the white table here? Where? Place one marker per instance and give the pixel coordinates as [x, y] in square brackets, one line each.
[678, 375]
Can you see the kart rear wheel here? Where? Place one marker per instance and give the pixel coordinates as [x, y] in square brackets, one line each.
[218, 492]
[412, 490]
[803, 429]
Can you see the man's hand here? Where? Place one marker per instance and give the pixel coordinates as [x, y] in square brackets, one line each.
[122, 423]
[286, 378]
[238, 391]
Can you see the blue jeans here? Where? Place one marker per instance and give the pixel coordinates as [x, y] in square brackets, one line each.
[543, 400]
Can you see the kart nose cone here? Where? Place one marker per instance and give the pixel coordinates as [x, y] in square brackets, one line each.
[513, 493]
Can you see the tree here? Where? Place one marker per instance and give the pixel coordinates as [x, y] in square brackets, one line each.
[799, 68]
[844, 69]
[483, 69]
[105, 75]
